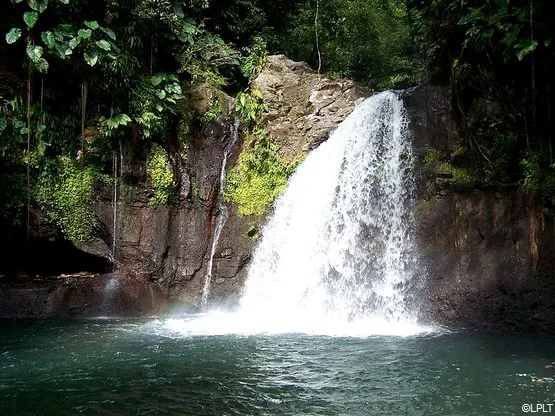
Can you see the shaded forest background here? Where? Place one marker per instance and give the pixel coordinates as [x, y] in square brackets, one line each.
[79, 80]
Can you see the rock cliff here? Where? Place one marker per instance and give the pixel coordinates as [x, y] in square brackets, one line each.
[488, 252]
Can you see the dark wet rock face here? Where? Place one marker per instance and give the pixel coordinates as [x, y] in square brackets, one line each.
[80, 295]
[487, 251]
[490, 261]
[170, 244]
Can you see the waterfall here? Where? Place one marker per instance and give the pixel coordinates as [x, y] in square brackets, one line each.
[339, 246]
[338, 254]
[222, 215]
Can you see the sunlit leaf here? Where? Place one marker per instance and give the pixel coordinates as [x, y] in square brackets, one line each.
[48, 38]
[189, 27]
[84, 33]
[13, 35]
[74, 42]
[526, 47]
[91, 58]
[30, 18]
[33, 4]
[42, 65]
[66, 30]
[91, 24]
[103, 44]
[41, 147]
[34, 53]
[157, 79]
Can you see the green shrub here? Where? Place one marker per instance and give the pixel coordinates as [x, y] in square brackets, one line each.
[214, 112]
[65, 190]
[259, 177]
[539, 179]
[257, 55]
[160, 176]
[250, 104]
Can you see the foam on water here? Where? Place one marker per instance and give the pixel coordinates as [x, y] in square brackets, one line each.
[217, 323]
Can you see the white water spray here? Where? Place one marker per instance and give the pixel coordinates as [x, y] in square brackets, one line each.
[340, 245]
[222, 216]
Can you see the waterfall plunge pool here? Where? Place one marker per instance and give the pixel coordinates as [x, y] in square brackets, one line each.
[140, 367]
[313, 334]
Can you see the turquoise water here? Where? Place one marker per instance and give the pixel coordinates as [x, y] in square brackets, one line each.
[130, 367]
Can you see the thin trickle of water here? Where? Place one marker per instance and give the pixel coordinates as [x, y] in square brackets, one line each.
[115, 198]
[222, 216]
[114, 206]
[339, 247]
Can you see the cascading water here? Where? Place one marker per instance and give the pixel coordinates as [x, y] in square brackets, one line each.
[222, 216]
[339, 247]
[338, 255]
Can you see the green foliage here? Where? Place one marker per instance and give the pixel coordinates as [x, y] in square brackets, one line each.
[214, 112]
[440, 163]
[500, 53]
[250, 104]
[13, 35]
[109, 127]
[13, 132]
[30, 18]
[168, 91]
[538, 177]
[259, 177]
[369, 41]
[205, 58]
[65, 191]
[160, 176]
[195, 188]
[255, 60]
[63, 39]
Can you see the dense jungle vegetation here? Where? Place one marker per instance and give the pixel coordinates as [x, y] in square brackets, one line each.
[81, 78]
